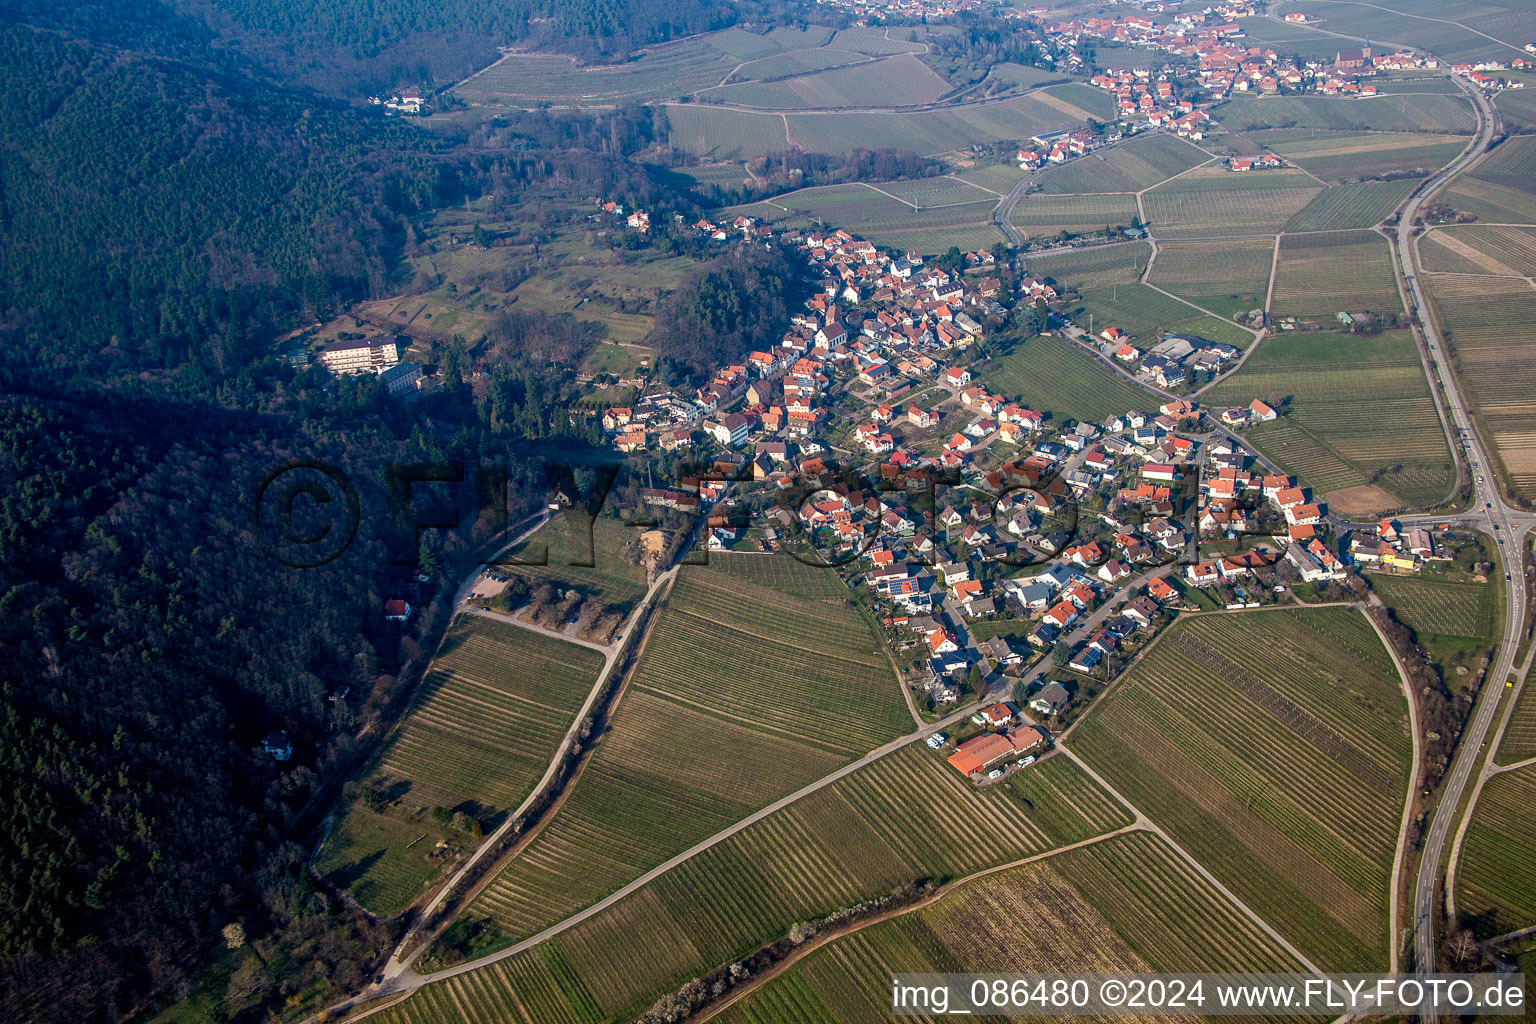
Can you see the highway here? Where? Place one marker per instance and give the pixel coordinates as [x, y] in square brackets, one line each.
[1507, 524]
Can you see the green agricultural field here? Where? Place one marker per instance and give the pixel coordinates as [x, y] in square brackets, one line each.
[482, 728]
[1517, 107]
[698, 64]
[745, 692]
[869, 213]
[905, 818]
[1455, 621]
[724, 134]
[1347, 157]
[1054, 375]
[1093, 266]
[1274, 747]
[1080, 100]
[1297, 39]
[663, 72]
[1228, 277]
[1123, 904]
[928, 132]
[1411, 113]
[794, 62]
[1359, 425]
[1042, 215]
[1445, 28]
[565, 543]
[940, 191]
[1144, 312]
[1322, 275]
[1519, 741]
[999, 178]
[877, 42]
[1496, 877]
[1487, 322]
[1352, 206]
[1502, 188]
[895, 81]
[1414, 81]
[1128, 167]
[1216, 201]
[1019, 74]
[1474, 249]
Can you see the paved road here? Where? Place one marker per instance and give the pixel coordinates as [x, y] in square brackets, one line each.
[1509, 525]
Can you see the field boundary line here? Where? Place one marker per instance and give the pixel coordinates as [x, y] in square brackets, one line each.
[825, 938]
[1274, 272]
[1415, 777]
[1490, 768]
[1188, 858]
[611, 660]
[984, 188]
[905, 202]
[1191, 305]
[1420, 17]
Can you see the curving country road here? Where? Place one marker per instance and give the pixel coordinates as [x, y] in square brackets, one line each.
[1508, 524]
[1511, 527]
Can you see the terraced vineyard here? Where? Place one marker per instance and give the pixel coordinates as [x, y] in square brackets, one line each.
[1358, 417]
[1321, 275]
[1274, 747]
[1122, 904]
[1055, 376]
[1093, 266]
[1474, 249]
[1487, 326]
[1228, 277]
[482, 728]
[1352, 206]
[1496, 878]
[745, 692]
[1216, 201]
[1044, 215]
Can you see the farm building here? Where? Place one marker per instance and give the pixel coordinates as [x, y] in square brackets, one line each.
[974, 755]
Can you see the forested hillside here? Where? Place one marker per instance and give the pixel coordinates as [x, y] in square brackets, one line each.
[217, 203]
[162, 220]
